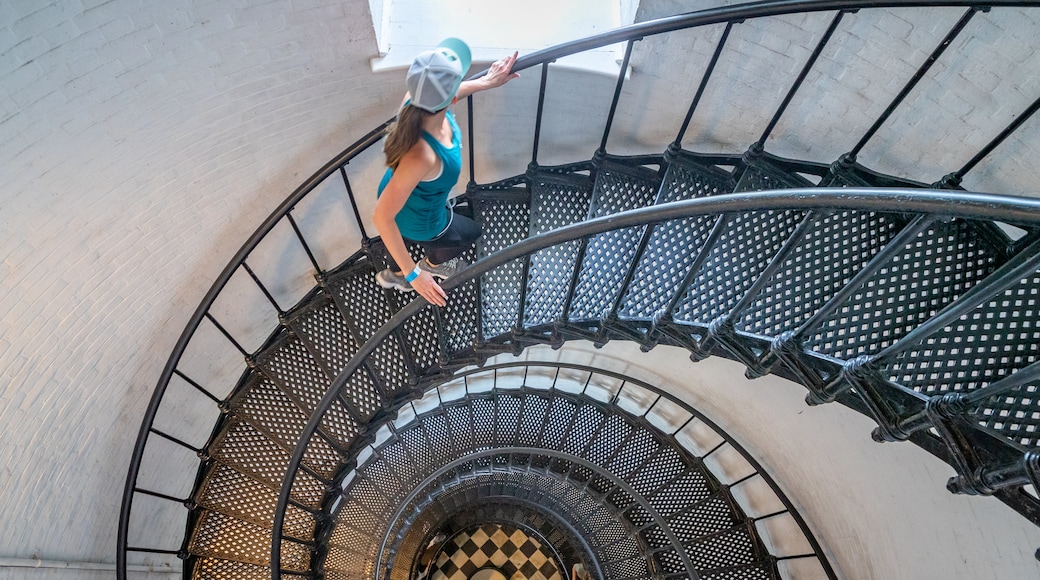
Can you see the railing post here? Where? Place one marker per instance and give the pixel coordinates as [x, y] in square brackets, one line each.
[227, 335]
[303, 242]
[259, 284]
[788, 345]
[1025, 262]
[954, 179]
[353, 205]
[469, 131]
[539, 115]
[721, 329]
[617, 96]
[664, 317]
[801, 77]
[956, 30]
[704, 83]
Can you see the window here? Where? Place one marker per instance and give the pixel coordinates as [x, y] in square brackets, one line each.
[494, 28]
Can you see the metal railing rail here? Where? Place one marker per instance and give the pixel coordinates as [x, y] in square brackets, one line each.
[629, 34]
[969, 206]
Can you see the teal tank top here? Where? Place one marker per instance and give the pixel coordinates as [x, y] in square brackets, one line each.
[426, 214]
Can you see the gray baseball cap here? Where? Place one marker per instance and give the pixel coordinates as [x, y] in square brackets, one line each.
[435, 75]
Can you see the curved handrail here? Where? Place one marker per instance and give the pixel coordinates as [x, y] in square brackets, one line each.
[628, 33]
[979, 206]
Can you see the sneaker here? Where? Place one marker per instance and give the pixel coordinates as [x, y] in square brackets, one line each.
[388, 279]
[445, 270]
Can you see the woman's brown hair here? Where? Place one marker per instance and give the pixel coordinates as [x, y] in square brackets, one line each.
[403, 133]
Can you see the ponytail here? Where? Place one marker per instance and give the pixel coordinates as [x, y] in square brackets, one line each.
[403, 134]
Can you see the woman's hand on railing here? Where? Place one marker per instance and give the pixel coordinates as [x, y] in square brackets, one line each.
[501, 71]
[498, 75]
[429, 289]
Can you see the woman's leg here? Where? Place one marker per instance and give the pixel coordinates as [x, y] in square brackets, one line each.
[453, 242]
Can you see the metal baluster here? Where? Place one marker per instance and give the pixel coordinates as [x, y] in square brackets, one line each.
[227, 335]
[538, 115]
[303, 242]
[617, 97]
[662, 320]
[1012, 272]
[1025, 262]
[611, 315]
[704, 83]
[519, 328]
[173, 439]
[184, 501]
[263, 289]
[469, 131]
[153, 551]
[198, 387]
[957, 28]
[575, 275]
[787, 344]
[353, 204]
[722, 328]
[954, 179]
[801, 77]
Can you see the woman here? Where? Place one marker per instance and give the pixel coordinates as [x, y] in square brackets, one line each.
[424, 157]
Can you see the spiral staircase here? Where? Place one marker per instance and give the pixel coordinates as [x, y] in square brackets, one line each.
[367, 430]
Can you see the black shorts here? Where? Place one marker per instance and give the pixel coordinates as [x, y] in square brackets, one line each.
[458, 237]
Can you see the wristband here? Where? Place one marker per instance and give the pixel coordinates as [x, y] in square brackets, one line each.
[413, 274]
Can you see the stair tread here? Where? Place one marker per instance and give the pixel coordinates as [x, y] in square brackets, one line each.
[251, 452]
[505, 219]
[745, 248]
[809, 277]
[946, 251]
[608, 256]
[222, 537]
[673, 245]
[236, 495]
[556, 201]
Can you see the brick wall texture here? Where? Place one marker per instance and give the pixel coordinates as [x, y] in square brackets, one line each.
[142, 142]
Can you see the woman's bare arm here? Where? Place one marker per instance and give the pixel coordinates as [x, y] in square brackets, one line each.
[413, 167]
[498, 75]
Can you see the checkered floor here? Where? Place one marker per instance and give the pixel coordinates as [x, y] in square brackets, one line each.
[501, 547]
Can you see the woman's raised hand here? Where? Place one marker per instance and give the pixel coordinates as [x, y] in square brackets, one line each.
[499, 73]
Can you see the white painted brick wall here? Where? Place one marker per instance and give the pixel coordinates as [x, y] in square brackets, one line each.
[142, 142]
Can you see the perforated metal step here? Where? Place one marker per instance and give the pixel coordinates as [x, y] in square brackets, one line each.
[505, 218]
[770, 271]
[608, 257]
[557, 200]
[673, 246]
[636, 463]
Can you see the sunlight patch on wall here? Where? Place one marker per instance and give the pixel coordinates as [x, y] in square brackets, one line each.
[494, 28]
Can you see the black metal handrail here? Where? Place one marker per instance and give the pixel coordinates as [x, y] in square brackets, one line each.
[971, 206]
[729, 15]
